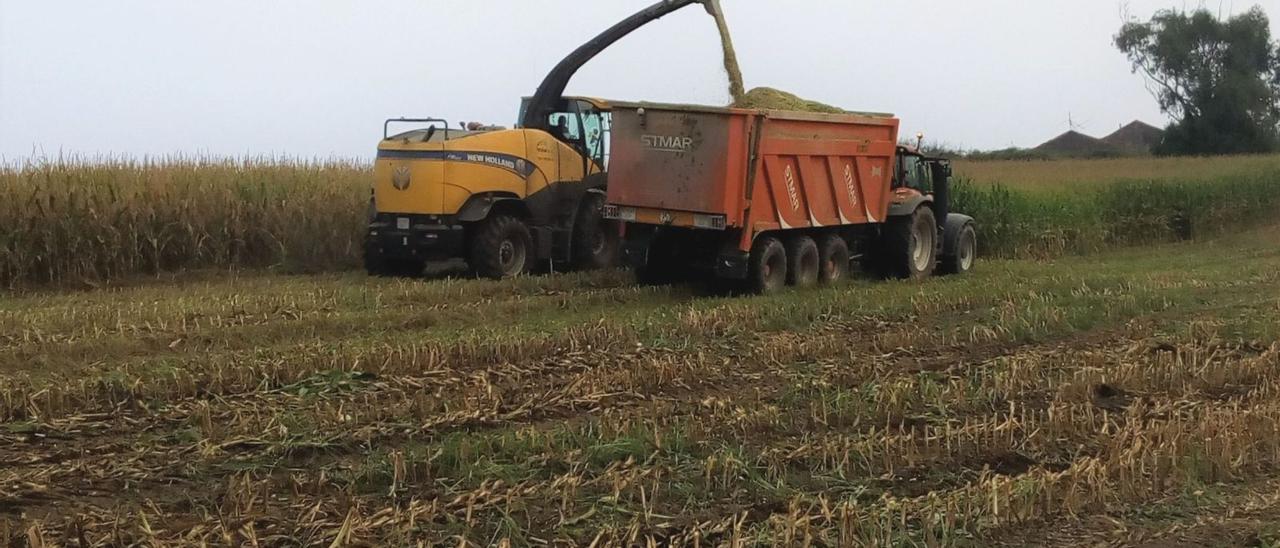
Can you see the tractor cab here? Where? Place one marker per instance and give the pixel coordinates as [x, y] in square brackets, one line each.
[920, 173]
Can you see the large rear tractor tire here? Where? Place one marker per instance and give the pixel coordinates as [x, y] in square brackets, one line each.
[961, 259]
[501, 247]
[910, 245]
[803, 262]
[596, 240]
[833, 259]
[767, 272]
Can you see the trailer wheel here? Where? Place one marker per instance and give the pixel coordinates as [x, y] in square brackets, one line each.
[767, 272]
[910, 245]
[500, 247]
[833, 258]
[965, 252]
[595, 239]
[803, 262]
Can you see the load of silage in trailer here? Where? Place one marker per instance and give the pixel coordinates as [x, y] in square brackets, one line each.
[765, 98]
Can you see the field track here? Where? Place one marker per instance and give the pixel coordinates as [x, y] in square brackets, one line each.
[1127, 397]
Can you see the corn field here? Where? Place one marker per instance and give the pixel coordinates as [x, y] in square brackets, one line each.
[70, 221]
[75, 223]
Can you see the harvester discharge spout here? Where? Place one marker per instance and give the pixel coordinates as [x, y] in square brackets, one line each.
[552, 88]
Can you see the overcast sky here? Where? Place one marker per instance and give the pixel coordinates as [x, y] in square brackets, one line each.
[315, 78]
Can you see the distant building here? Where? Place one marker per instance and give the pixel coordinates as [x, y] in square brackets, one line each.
[1076, 144]
[1135, 139]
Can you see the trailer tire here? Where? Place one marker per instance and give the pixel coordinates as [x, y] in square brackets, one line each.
[501, 247]
[803, 262]
[595, 239]
[910, 245]
[833, 259]
[964, 253]
[767, 271]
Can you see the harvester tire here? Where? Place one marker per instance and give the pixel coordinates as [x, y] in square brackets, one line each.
[966, 251]
[910, 245]
[501, 247]
[833, 259]
[595, 239]
[767, 272]
[803, 262]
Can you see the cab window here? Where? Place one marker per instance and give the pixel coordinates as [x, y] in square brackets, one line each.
[915, 173]
[566, 126]
[595, 125]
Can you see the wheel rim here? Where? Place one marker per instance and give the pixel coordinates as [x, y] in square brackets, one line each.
[922, 249]
[510, 256]
[775, 271]
[967, 252]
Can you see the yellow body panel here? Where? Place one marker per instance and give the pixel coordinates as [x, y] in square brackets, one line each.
[438, 177]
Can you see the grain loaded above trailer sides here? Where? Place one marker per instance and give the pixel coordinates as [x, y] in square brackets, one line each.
[772, 198]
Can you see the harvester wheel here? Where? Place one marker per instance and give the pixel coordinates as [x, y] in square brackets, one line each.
[803, 262]
[595, 239]
[501, 247]
[966, 250]
[833, 258]
[768, 266]
[910, 245]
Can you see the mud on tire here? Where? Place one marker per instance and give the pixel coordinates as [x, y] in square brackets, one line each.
[833, 259]
[501, 247]
[909, 246]
[595, 239]
[803, 262]
[767, 272]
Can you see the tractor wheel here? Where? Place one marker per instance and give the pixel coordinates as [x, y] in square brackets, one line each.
[803, 262]
[910, 245]
[767, 271]
[501, 247]
[595, 239]
[966, 250]
[833, 259]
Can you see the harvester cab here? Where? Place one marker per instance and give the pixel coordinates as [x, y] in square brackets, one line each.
[505, 201]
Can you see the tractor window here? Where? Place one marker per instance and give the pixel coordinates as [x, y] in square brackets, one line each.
[916, 173]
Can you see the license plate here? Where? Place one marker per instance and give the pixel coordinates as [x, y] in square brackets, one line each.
[402, 223]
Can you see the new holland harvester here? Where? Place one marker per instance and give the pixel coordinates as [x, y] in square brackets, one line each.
[506, 201]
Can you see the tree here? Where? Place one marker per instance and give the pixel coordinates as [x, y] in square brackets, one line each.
[1218, 79]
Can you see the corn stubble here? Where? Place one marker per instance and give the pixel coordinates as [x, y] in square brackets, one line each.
[256, 413]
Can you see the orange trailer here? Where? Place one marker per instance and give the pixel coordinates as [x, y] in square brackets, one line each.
[776, 198]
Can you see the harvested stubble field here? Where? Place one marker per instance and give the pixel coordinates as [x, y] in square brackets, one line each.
[1126, 397]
